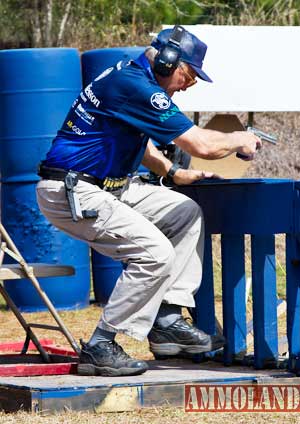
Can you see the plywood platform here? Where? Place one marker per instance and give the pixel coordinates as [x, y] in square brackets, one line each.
[162, 385]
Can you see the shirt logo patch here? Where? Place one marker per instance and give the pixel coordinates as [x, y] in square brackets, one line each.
[160, 101]
[168, 114]
[84, 115]
[90, 94]
[104, 74]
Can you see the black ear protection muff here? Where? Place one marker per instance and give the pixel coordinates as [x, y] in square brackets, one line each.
[168, 56]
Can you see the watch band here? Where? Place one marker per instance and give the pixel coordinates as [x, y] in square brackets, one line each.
[171, 173]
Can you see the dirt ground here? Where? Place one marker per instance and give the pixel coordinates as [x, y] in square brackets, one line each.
[151, 416]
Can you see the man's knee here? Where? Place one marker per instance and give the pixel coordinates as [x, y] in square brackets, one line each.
[190, 216]
[164, 257]
[195, 211]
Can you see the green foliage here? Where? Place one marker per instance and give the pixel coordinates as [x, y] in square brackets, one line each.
[98, 23]
[259, 12]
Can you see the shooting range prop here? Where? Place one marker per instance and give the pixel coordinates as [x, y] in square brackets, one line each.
[94, 62]
[261, 208]
[37, 88]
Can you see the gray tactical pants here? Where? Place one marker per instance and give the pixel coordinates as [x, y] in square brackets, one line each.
[159, 234]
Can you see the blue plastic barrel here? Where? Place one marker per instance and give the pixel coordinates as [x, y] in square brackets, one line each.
[38, 241]
[104, 269]
[96, 61]
[37, 88]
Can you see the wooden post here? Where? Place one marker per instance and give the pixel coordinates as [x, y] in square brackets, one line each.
[233, 296]
[264, 299]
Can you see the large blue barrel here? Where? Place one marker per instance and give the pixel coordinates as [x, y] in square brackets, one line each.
[96, 61]
[105, 270]
[39, 241]
[37, 88]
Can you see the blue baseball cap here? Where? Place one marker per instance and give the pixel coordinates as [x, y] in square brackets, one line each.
[192, 50]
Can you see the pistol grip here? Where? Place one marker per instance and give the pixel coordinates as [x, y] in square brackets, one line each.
[240, 156]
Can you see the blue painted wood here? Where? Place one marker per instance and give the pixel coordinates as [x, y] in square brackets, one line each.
[250, 323]
[231, 206]
[293, 299]
[264, 300]
[102, 395]
[233, 288]
[204, 313]
[296, 207]
[261, 208]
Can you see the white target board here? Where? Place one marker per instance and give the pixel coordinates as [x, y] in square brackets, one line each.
[253, 68]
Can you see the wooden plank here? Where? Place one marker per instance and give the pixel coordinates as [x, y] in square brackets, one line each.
[293, 299]
[51, 348]
[47, 344]
[15, 271]
[162, 385]
[26, 370]
[233, 290]
[13, 399]
[204, 314]
[18, 346]
[243, 196]
[35, 358]
[160, 372]
[281, 309]
[264, 300]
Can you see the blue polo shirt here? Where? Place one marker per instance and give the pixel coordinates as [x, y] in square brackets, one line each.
[109, 124]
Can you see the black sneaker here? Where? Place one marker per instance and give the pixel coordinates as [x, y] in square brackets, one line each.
[182, 337]
[108, 359]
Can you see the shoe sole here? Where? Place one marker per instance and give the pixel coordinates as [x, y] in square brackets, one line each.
[93, 370]
[175, 348]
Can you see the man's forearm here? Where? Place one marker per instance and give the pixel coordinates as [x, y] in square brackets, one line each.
[156, 161]
[211, 144]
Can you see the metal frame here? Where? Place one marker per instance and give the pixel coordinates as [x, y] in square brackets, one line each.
[8, 247]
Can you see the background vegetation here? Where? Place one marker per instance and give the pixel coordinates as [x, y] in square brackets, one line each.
[104, 23]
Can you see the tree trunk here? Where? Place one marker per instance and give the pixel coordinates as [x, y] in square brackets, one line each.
[36, 25]
[63, 23]
[48, 23]
[133, 22]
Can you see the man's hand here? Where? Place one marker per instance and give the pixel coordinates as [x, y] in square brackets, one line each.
[188, 176]
[249, 144]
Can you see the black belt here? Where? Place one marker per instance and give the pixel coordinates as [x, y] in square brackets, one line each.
[58, 174]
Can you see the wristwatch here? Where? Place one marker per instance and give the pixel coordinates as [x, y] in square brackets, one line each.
[171, 173]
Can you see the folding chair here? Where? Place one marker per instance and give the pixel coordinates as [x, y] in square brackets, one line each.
[31, 271]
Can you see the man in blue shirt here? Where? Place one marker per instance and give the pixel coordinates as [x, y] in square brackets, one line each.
[89, 190]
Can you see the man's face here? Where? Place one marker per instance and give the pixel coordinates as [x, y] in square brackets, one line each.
[182, 78]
